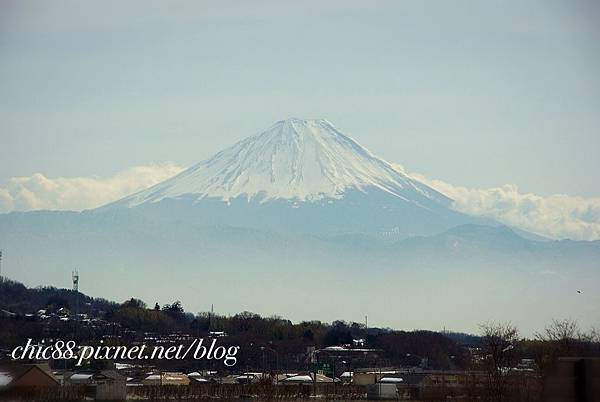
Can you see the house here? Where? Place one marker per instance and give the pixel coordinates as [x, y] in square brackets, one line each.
[166, 378]
[391, 380]
[370, 376]
[346, 376]
[78, 378]
[298, 379]
[110, 386]
[197, 378]
[103, 385]
[27, 375]
[246, 378]
[308, 379]
[427, 384]
[282, 376]
[345, 356]
[450, 378]
[359, 343]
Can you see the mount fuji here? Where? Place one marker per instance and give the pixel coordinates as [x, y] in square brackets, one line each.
[300, 176]
[304, 160]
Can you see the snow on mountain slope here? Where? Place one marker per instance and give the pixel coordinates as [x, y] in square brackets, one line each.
[301, 160]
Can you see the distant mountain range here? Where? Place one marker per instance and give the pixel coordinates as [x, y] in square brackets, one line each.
[302, 221]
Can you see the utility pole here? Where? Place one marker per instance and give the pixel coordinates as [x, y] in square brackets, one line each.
[75, 278]
[333, 375]
[316, 365]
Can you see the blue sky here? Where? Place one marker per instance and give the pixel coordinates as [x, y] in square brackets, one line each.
[479, 94]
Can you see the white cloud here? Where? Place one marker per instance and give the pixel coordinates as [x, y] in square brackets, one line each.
[78, 193]
[555, 216]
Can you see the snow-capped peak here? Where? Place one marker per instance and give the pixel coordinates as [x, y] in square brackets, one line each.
[297, 159]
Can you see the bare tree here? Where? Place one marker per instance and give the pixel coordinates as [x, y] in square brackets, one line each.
[590, 337]
[558, 339]
[500, 341]
[563, 338]
[561, 333]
